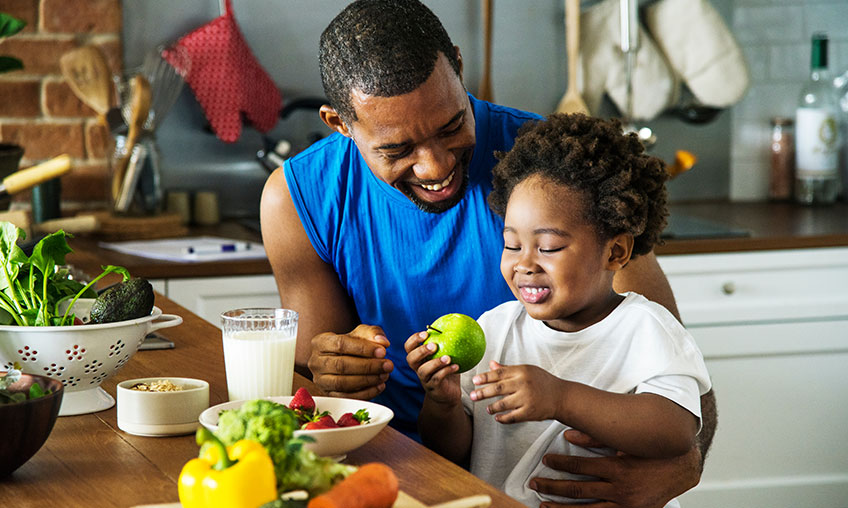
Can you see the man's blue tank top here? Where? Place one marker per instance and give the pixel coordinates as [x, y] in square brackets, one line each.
[401, 266]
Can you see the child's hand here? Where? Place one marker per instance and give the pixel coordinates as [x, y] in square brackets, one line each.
[528, 393]
[437, 376]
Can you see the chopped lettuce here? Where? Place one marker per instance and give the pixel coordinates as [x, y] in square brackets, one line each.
[273, 425]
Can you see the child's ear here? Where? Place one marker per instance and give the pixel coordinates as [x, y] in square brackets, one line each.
[620, 248]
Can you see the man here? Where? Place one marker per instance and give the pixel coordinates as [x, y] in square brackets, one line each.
[380, 228]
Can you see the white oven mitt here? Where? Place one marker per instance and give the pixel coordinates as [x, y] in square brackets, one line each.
[700, 48]
[603, 65]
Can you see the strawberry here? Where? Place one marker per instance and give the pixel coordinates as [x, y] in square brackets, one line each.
[323, 421]
[302, 401]
[354, 419]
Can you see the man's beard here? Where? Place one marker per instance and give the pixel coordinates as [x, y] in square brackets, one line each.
[438, 206]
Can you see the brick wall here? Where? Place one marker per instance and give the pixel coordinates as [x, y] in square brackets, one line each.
[39, 111]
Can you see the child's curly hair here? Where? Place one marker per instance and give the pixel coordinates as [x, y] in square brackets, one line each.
[624, 187]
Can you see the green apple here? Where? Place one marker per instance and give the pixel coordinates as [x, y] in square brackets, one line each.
[460, 337]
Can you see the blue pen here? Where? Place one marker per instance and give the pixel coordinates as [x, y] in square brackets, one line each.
[218, 249]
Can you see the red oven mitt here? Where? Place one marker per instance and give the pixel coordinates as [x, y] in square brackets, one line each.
[227, 80]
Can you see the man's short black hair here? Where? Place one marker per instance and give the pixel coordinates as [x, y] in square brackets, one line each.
[624, 188]
[384, 48]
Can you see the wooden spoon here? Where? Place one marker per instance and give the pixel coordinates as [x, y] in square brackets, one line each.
[571, 102]
[139, 109]
[484, 91]
[89, 77]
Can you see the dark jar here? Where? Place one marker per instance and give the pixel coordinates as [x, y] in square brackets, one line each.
[782, 152]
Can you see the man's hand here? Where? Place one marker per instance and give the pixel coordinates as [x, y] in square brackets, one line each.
[351, 365]
[622, 481]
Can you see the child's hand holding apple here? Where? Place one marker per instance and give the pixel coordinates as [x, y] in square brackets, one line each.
[453, 344]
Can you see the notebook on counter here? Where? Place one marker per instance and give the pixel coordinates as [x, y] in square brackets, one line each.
[192, 249]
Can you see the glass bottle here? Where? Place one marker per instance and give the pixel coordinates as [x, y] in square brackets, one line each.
[782, 150]
[841, 84]
[817, 133]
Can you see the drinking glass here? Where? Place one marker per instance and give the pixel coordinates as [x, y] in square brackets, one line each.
[259, 346]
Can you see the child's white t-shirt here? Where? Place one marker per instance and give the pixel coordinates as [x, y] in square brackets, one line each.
[640, 347]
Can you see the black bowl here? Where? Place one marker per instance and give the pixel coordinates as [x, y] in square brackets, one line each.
[24, 426]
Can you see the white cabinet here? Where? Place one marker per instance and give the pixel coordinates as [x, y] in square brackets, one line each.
[208, 297]
[773, 327]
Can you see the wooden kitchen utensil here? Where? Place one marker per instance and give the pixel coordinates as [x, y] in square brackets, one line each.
[26, 178]
[139, 109]
[572, 102]
[484, 91]
[89, 77]
[404, 500]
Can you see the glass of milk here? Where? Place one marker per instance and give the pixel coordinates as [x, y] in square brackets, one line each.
[259, 349]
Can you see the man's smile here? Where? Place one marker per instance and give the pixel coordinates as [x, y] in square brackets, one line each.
[441, 185]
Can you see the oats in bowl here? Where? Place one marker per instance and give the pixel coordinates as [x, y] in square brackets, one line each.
[160, 385]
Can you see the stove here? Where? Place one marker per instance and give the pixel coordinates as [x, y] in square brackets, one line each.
[682, 227]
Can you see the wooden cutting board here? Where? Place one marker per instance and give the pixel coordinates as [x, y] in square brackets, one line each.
[118, 227]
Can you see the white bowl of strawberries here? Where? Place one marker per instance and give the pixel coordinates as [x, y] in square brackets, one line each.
[337, 425]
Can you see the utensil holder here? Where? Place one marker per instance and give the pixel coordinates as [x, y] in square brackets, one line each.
[141, 192]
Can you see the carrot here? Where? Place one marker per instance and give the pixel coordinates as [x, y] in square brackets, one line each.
[373, 485]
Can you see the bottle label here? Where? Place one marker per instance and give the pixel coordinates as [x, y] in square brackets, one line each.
[817, 143]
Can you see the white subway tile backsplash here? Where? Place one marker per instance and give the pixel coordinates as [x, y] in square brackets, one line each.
[768, 24]
[757, 58]
[751, 141]
[765, 100]
[738, 3]
[830, 17]
[749, 181]
[789, 62]
[839, 55]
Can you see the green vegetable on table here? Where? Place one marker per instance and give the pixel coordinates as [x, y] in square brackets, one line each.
[9, 397]
[273, 425]
[33, 287]
[130, 299]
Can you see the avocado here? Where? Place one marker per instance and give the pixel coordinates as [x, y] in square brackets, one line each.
[130, 299]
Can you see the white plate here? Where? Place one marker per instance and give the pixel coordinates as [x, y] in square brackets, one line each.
[328, 442]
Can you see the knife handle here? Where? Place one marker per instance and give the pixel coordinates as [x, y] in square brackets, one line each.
[26, 178]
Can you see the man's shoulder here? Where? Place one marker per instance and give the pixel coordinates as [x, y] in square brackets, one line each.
[333, 146]
[499, 114]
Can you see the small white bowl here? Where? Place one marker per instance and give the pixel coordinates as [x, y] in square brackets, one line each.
[328, 442]
[144, 413]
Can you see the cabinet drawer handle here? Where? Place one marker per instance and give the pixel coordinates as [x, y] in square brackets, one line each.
[728, 288]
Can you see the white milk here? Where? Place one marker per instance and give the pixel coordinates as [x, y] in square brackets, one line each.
[259, 363]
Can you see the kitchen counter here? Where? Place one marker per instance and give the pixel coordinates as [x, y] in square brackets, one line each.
[88, 255]
[88, 461]
[767, 226]
[770, 226]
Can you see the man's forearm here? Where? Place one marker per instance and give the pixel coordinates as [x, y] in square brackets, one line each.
[709, 421]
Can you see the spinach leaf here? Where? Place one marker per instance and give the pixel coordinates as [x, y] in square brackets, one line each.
[32, 288]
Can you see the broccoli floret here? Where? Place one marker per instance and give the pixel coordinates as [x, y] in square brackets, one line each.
[273, 425]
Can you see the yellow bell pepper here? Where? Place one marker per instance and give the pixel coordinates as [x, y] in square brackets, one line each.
[238, 476]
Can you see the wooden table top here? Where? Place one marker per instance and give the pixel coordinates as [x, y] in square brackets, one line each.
[87, 461]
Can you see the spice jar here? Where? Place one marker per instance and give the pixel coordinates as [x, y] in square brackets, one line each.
[782, 150]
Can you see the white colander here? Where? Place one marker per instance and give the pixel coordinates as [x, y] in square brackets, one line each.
[80, 356]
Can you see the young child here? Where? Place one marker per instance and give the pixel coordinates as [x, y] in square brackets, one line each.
[579, 200]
